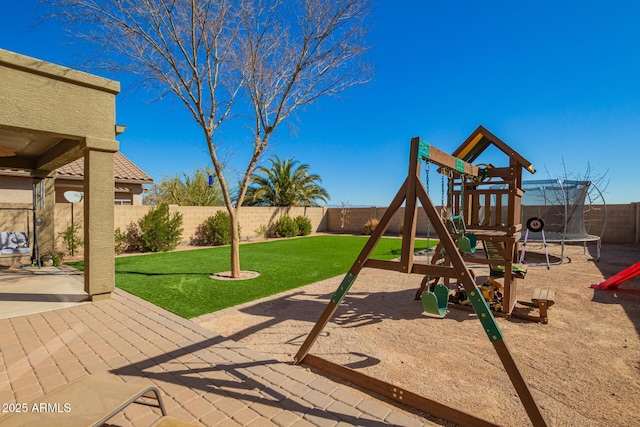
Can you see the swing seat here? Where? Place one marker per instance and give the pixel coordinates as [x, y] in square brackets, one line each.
[436, 302]
[467, 243]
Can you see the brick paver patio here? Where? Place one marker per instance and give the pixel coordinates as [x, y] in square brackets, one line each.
[203, 377]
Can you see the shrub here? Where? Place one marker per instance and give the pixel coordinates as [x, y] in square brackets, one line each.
[217, 229]
[159, 231]
[201, 236]
[286, 227]
[132, 235]
[71, 238]
[120, 241]
[369, 226]
[262, 231]
[304, 225]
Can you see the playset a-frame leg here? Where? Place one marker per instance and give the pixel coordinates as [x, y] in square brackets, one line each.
[350, 277]
[412, 191]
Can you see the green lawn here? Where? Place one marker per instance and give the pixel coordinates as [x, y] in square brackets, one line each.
[180, 282]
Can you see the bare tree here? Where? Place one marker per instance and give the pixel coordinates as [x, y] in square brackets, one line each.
[295, 52]
[282, 54]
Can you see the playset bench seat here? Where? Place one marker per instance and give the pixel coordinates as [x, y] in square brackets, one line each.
[541, 299]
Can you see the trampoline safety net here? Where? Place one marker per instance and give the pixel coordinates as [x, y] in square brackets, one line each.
[561, 205]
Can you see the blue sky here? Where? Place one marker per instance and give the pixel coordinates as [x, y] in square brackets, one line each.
[557, 81]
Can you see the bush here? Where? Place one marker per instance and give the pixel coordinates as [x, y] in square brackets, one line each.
[369, 226]
[262, 231]
[120, 241]
[71, 238]
[200, 237]
[132, 235]
[159, 231]
[304, 225]
[286, 227]
[216, 230]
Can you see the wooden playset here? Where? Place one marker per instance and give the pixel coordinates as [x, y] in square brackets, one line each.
[476, 211]
[484, 206]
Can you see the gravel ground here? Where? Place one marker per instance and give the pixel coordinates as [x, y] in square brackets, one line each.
[583, 368]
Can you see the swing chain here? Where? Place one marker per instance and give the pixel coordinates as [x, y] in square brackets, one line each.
[462, 200]
[427, 171]
[442, 207]
[450, 192]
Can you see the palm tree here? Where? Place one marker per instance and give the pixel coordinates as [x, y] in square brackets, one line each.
[284, 184]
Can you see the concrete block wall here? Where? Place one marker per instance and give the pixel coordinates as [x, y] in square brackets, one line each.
[253, 217]
[623, 220]
[622, 225]
[352, 220]
[192, 216]
[125, 215]
[250, 218]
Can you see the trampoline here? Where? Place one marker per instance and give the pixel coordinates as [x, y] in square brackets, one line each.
[568, 211]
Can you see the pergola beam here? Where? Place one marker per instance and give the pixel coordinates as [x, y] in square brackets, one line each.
[64, 152]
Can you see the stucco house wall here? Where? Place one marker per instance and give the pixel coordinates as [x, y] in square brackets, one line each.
[52, 115]
[16, 189]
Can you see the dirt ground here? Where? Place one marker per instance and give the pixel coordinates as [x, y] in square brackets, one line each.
[583, 368]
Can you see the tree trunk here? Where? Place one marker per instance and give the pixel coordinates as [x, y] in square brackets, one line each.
[235, 244]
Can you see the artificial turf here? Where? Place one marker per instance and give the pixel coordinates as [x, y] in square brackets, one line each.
[180, 281]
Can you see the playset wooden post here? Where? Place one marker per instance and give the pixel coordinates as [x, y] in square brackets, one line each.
[412, 191]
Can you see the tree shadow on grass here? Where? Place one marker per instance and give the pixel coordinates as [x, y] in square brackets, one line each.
[143, 273]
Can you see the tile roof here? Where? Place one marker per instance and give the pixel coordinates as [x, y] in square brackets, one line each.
[124, 169]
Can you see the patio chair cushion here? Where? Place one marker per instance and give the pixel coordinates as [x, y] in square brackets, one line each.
[14, 242]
